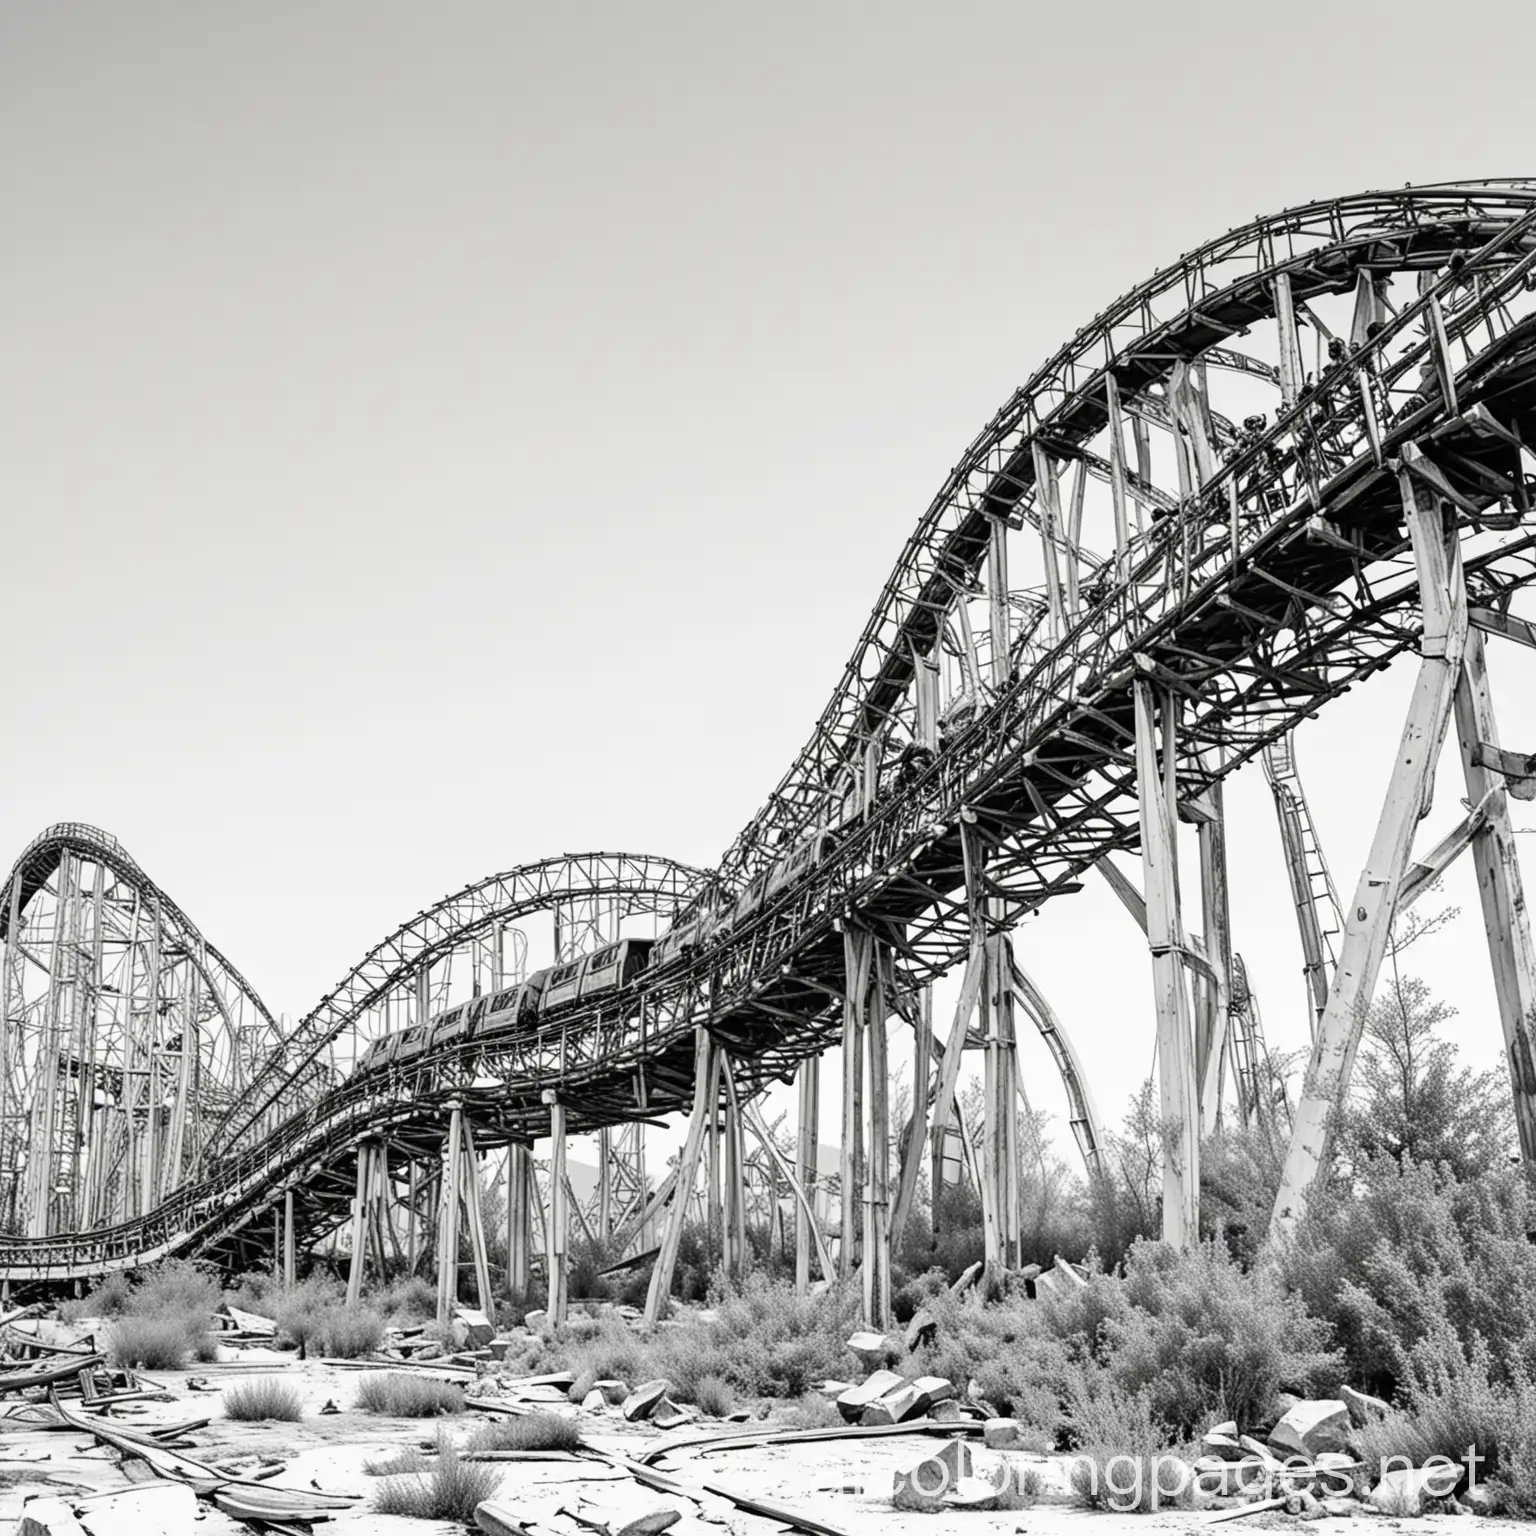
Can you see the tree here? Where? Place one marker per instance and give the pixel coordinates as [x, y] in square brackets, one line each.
[1412, 1098]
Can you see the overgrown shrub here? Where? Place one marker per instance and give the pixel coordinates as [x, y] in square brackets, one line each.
[154, 1343]
[399, 1395]
[265, 1397]
[713, 1395]
[107, 1300]
[1123, 1457]
[407, 1299]
[526, 1432]
[301, 1310]
[348, 1333]
[448, 1488]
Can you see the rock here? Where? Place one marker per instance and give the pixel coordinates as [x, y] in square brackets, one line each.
[922, 1487]
[1478, 1499]
[897, 1406]
[873, 1350]
[1001, 1434]
[1222, 1478]
[968, 1277]
[1310, 1428]
[949, 1412]
[641, 1403]
[665, 1414]
[535, 1320]
[1258, 1449]
[1404, 1491]
[594, 1401]
[251, 1322]
[920, 1330]
[833, 1390]
[48, 1517]
[1340, 1474]
[478, 1331]
[977, 1493]
[652, 1523]
[933, 1390]
[852, 1403]
[1363, 1408]
[1223, 1446]
[1060, 1279]
[613, 1389]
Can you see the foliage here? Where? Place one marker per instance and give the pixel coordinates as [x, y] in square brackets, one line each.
[348, 1333]
[265, 1397]
[396, 1394]
[164, 1316]
[527, 1432]
[448, 1489]
[1125, 1198]
[713, 1395]
[156, 1341]
[1122, 1460]
[406, 1299]
[107, 1300]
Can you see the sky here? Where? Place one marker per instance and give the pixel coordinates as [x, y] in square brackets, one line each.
[433, 437]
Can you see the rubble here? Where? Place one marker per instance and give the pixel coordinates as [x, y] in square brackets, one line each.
[1407, 1490]
[851, 1404]
[1309, 1428]
[641, 1403]
[159, 1508]
[873, 1350]
[1363, 1408]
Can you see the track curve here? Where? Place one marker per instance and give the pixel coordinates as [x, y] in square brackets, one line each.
[1267, 584]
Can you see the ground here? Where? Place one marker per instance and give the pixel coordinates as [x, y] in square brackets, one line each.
[845, 1483]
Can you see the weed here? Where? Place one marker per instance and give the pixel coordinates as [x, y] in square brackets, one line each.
[396, 1394]
[107, 1300]
[713, 1395]
[156, 1343]
[266, 1397]
[448, 1488]
[348, 1333]
[526, 1432]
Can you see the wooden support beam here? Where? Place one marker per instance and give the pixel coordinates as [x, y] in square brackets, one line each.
[1494, 622]
[1213, 996]
[475, 1218]
[290, 1243]
[1084, 1116]
[1048, 510]
[557, 1223]
[857, 950]
[1117, 481]
[917, 1127]
[1500, 890]
[1175, 1057]
[875, 1265]
[1368, 918]
[519, 1224]
[360, 1203]
[807, 1131]
[448, 1217]
[1001, 1136]
[805, 1210]
[735, 1233]
[1292, 374]
[706, 1058]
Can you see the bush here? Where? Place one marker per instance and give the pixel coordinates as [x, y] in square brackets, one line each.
[448, 1489]
[348, 1333]
[527, 1432]
[713, 1395]
[266, 1397]
[301, 1310]
[258, 1291]
[766, 1341]
[406, 1300]
[1123, 1460]
[107, 1300]
[396, 1394]
[177, 1287]
[153, 1343]
[1202, 1339]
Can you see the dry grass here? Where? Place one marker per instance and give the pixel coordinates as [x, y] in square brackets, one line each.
[448, 1488]
[394, 1394]
[527, 1432]
[158, 1341]
[266, 1397]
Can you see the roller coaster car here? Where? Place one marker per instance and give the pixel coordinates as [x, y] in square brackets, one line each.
[564, 983]
[614, 965]
[459, 1024]
[379, 1053]
[688, 929]
[803, 859]
[412, 1042]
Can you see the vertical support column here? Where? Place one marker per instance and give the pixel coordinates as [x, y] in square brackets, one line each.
[1368, 919]
[735, 1213]
[875, 1266]
[984, 964]
[997, 600]
[1290, 343]
[808, 1130]
[475, 1218]
[448, 1217]
[856, 950]
[1048, 511]
[556, 1235]
[1211, 1018]
[1499, 889]
[917, 1127]
[1176, 1075]
[290, 1244]
[360, 1203]
[605, 1183]
[706, 1058]
[1002, 1109]
[519, 1227]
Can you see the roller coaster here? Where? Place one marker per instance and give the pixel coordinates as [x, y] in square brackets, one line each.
[1282, 463]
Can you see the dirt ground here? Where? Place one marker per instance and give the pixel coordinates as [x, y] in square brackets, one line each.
[844, 1483]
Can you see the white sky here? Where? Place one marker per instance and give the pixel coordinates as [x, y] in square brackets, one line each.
[437, 436]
